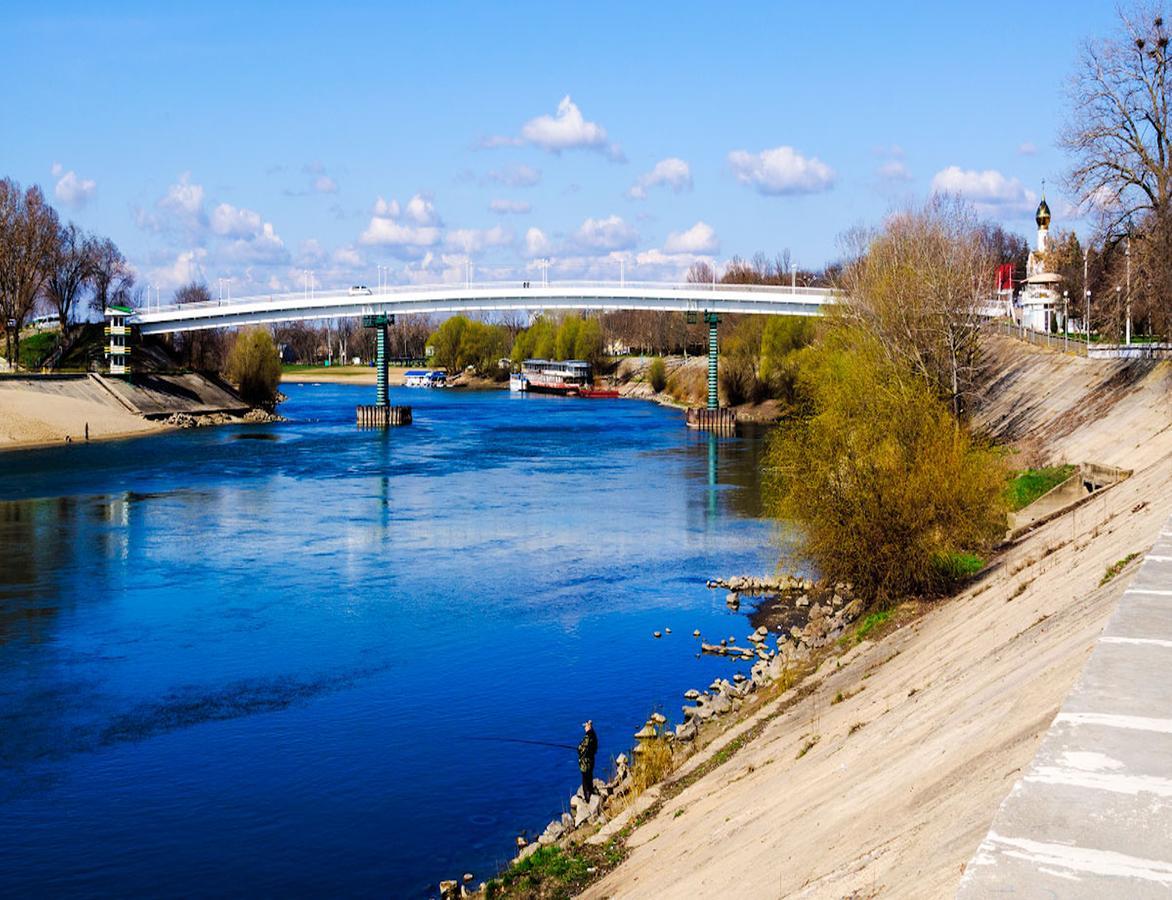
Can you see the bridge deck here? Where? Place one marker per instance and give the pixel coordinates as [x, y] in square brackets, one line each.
[500, 297]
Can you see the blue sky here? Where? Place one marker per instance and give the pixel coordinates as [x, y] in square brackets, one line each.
[222, 142]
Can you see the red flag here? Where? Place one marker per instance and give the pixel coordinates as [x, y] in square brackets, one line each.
[1005, 277]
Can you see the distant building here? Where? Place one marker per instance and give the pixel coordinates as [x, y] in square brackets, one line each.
[1041, 297]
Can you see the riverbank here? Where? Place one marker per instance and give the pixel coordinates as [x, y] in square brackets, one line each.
[47, 410]
[880, 772]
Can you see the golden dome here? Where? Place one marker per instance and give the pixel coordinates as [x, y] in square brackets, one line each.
[1043, 216]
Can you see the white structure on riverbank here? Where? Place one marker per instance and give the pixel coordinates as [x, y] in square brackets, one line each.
[1041, 298]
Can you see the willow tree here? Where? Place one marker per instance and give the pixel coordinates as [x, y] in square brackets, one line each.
[1119, 135]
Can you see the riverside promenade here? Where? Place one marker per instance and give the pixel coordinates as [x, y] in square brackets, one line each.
[1092, 814]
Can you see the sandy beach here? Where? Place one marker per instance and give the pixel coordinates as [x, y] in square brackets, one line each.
[59, 411]
[342, 375]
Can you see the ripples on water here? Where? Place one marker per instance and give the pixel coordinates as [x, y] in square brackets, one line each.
[251, 659]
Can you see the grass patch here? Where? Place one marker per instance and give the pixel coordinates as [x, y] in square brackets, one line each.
[555, 871]
[1027, 486]
[954, 568]
[870, 623]
[1116, 567]
[808, 746]
[35, 347]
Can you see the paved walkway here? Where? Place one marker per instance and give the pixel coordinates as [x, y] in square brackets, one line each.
[1092, 815]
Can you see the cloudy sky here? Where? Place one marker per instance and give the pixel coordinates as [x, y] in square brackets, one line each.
[253, 144]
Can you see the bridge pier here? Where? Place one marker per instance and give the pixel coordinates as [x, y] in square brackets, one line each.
[713, 319]
[382, 414]
[380, 323]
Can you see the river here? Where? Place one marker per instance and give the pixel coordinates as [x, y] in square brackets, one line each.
[260, 659]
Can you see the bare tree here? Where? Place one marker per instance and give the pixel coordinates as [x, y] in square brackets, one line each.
[28, 231]
[113, 281]
[193, 292]
[70, 270]
[700, 273]
[1120, 134]
[919, 285]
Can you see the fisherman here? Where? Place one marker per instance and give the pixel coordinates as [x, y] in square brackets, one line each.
[586, 750]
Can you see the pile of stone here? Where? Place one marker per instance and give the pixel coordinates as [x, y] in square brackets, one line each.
[451, 889]
[582, 812]
[748, 584]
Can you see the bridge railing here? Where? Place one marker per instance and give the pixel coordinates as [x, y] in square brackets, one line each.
[521, 286]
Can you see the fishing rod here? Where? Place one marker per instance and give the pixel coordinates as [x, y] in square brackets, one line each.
[522, 741]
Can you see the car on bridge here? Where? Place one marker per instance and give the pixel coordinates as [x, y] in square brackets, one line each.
[360, 290]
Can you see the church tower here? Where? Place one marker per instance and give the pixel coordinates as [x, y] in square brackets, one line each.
[1043, 220]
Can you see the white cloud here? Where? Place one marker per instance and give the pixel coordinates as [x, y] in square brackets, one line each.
[567, 129]
[604, 235]
[503, 207]
[324, 184]
[474, 240]
[71, 189]
[515, 176]
[310, 254]
[229, 221]
[187, 266]
[385, 232]
[184, 198]
[405, 231]
[536, 243]
[420, 210]
[263, 248]
[1026, 149]
[700, 238]
[781, 170]
[894, 170]
[671, 172]
[383, 208]
[988, 190]
[347, 256]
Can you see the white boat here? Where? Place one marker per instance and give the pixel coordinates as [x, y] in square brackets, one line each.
[518, 383]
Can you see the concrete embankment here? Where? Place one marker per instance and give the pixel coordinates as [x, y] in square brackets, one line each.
[881, 774]
[51, 409]
[1090, 816]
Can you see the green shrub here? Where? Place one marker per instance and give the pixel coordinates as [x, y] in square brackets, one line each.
[255, 367]
[880, 479]
[657, 375]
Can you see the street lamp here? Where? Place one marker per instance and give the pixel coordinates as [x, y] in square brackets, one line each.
[1066, 321]
[1127, 255]
[793, 276]
[1118, 300]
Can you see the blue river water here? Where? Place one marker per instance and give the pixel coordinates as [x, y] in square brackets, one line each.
[261, 659]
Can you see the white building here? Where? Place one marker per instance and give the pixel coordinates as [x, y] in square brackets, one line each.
[1041, 297]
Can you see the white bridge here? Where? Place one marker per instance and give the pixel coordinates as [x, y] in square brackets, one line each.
[487, 297]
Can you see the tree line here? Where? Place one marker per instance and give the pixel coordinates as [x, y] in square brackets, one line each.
[49, 263]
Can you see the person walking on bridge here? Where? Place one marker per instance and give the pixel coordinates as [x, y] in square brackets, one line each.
[586, 752]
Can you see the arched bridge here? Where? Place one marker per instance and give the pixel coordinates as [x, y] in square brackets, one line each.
[714, 299]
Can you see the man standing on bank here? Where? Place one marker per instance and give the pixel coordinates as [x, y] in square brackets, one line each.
[586, 751]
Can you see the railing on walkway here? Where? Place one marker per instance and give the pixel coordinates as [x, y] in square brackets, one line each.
[1076, 343]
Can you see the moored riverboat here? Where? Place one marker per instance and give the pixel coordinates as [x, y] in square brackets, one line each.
[546, 376]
